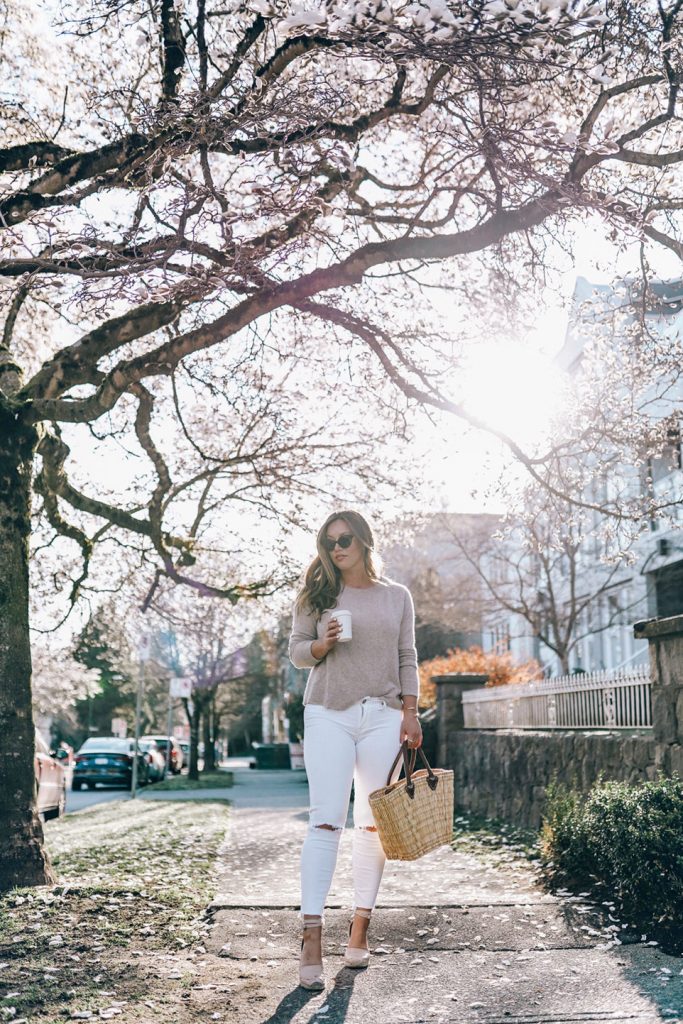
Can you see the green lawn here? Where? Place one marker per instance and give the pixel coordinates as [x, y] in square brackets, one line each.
[206, 780]
[135, 878]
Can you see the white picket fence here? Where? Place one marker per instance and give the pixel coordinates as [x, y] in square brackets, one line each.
[618, 699]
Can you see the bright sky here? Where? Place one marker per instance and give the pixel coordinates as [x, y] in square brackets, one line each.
[516, 386]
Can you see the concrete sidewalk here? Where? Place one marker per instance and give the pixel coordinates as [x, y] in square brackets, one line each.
[455, 937]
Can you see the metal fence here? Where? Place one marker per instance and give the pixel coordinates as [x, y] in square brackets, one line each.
[619, 699]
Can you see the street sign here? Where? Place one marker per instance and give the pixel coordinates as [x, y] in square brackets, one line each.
[119, 727]
[181, 686]
[145, 648]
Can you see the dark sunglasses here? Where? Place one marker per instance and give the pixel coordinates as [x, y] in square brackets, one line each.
[344, 541]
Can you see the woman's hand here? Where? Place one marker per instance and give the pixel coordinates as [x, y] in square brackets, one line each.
[321, 648]
[411, 730]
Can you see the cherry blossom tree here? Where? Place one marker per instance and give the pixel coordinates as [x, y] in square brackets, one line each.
[196, 198]
[59, 681]
[199, 641]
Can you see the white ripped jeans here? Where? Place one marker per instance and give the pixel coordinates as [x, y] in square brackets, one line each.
[340, 747]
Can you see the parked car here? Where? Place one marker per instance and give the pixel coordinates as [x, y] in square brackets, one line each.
[109, 760]
[155, 758]
[51, 781]
[176, 753]
[185, 747]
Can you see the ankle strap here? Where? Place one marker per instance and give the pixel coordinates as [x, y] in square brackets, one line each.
[363, 913]
[313, 924]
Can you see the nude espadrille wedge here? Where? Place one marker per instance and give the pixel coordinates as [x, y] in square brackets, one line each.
[354, 957]
[312, 976]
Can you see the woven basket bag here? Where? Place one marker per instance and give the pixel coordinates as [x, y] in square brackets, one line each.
[414, 815]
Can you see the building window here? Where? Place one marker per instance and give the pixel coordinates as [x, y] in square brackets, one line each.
[664, 299]
[669, 459]
[669, 590]
[500, 635]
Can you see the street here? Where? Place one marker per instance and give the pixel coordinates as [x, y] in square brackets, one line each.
[79, 800]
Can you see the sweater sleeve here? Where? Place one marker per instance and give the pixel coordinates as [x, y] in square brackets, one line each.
[407, 653]
[304, 632]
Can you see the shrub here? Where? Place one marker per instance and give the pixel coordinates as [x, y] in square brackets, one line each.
[624, 840]
[500, 668]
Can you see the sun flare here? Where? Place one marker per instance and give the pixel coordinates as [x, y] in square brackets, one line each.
[513, 389]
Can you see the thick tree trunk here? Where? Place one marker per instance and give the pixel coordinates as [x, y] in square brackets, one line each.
[23, 860]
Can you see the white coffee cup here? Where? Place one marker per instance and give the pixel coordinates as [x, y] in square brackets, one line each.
[344, 619]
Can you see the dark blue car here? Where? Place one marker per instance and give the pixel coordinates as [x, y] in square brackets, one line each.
[109, 760]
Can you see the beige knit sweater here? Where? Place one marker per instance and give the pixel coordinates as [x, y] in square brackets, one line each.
[380, 660]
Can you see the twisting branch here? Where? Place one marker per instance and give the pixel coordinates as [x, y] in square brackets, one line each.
[54, 452]
[31, 154]
[173, 50]
[164, 483]
[13, 312]
[582, 161]
[265, 587]
[114, 163]
[61, 526]
[77, 363]
[234, 592]
[255, 30]
[164, 359]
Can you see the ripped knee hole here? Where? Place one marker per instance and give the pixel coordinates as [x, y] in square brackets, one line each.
[336, 828]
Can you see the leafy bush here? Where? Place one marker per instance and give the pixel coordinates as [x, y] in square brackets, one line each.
[625, 841]
[500, 668]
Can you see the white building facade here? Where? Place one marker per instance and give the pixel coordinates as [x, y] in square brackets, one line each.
[647, 584]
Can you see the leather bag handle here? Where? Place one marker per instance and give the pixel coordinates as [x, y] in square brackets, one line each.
[409, 767]
[403, 749]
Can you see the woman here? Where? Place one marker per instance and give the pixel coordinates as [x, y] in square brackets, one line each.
[360, 703]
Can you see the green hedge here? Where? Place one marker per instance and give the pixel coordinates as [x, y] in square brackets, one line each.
[625, 842]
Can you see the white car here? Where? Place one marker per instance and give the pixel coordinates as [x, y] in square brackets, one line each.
[176, 759]
[50, 782]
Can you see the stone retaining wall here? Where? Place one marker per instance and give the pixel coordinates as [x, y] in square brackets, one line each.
[503, 773]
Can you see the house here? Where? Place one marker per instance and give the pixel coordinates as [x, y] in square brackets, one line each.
[609, 597]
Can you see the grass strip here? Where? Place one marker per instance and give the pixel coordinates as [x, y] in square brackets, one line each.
[135, 878]
[206, 780]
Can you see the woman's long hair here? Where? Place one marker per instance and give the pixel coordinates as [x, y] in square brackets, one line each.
[323, 579]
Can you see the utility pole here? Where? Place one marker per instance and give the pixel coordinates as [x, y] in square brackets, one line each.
[144, 648]
[169, 726]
